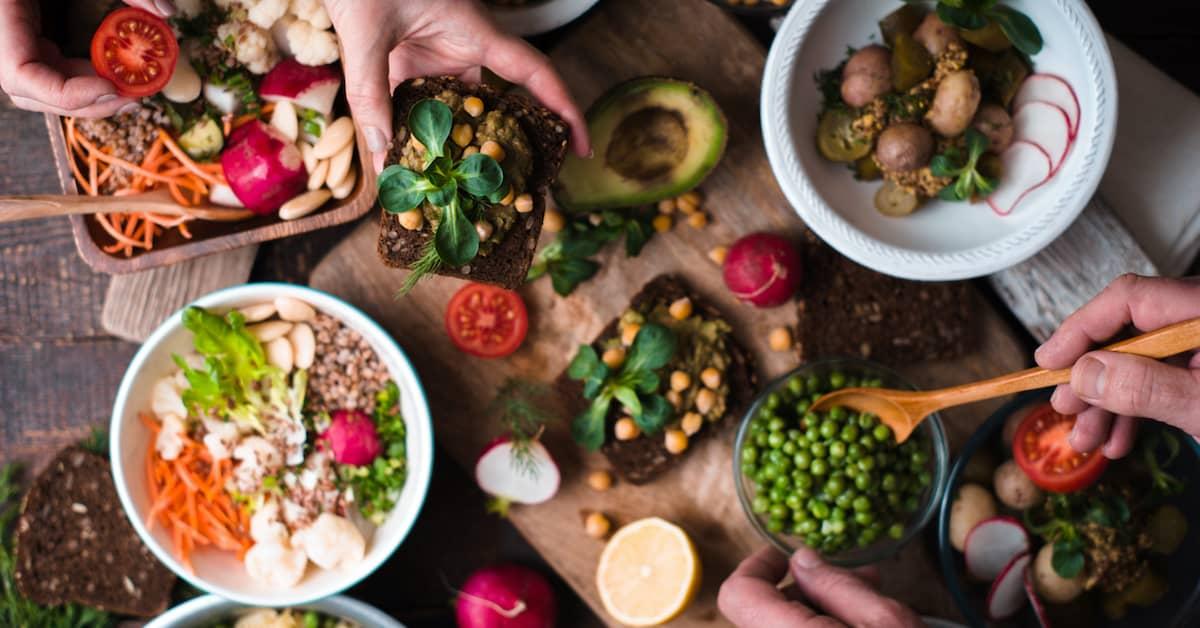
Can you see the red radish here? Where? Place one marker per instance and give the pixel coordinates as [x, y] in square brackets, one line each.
[512, 473]
[1047, 126]
[351, 438]
[992, 544]
[506, 596]
[763, 269]
[312, 87]
[1053, 89]
[264, 169]
[1026, 166]
[1007, 595]
[1038, 609]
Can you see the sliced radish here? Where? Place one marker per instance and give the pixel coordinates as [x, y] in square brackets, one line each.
[1053, 89]
[992, 544]
[512, 475]
[1007, 595]
[1026, 166]
[1038, 609]
[1047, 126]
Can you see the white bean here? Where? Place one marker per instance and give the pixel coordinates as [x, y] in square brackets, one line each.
[316, 176]
[334, 138]
[293, 309]
[279, 353]
[344, 188]
[304, 345]
[258, 312]
[270, 330]
[306, 154]
[304, 204]
[339, 166]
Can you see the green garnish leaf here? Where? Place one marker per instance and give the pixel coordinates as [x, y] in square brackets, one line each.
[960, 16]
[1019, 29]
[566, 275]
[969, 182]
[479, 175]
[234, 363]
[456, 240]
[401, 189]
[588, 428]
[652, 349]
[655, 410]
[585, 362]
[565, 259]
[430, 122]
[1068, 559]
[628, 398]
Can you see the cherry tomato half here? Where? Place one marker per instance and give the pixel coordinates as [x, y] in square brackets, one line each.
[486, 321]
[136, 50]
[1043, 452]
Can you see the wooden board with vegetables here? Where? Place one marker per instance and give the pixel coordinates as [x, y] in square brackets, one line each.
[623, 40]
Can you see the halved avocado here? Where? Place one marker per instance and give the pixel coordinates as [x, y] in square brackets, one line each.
[653, 138]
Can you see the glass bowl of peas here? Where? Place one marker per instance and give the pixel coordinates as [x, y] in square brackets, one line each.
[836, 481]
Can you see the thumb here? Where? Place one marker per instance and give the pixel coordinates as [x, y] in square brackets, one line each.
[1136, 386]
[844, 595]
[369, 97]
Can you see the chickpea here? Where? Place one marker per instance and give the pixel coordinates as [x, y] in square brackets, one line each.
[600, 480]
[462, 134]
[718, 254]
[705, 400]
[680, 381]
[412, 220]
[470, 150]
[662, 223]
[711, 377]
[613, 357]
[484, 229]
[626, 429]
[691, 422]
[676, 441]
[524, 203]
[493, 149]
[691, 197]
[680, 308]
[698, 220]
[687, 205]
[629, 333]
[674, 398]
[666, 206]
[508, 196]
[553, 221]
[780, 339]
[473, 105]
[597, 525]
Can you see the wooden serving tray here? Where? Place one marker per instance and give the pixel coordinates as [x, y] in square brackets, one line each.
[207, 237]
[692, 40]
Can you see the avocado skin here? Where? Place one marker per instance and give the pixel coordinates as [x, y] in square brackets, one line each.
[608, 180]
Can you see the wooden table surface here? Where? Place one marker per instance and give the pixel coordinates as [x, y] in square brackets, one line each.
[59, 371]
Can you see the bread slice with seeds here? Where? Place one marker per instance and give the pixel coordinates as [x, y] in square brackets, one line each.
[74, 544]
[508, 262]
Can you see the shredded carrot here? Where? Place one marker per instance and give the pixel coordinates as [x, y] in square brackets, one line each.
[188, 497]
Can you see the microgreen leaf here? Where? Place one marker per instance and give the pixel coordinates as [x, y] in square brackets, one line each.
[960, 16]
[401, 189]
[443, 195]
[969, 181]
[430, 121]
[1067, 559]
[456, 240]
[585, 362]
[652, 349]
[643, 381]
[1019, 29]
[655, 410]
[628, 398]
[941, 166]
[588, 428]
[479, 175]
[566, 275]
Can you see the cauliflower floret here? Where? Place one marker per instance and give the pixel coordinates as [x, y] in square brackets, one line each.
[221, 438]
[275, 564]
[169, 441]
[165, 399]
[313, 12]
[251, 45]
[279, 34]
[331, 541]
[263, 13]
[310, 45]
[266, 526]
[257, 458]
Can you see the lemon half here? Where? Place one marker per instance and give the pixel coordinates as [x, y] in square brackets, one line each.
[648, 573]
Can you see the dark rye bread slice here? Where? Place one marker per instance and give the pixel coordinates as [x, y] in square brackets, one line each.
[74, 544]
[642, 459]
[508, 263]
[849, 310]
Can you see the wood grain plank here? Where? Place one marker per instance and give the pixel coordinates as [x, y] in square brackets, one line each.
[621, 40]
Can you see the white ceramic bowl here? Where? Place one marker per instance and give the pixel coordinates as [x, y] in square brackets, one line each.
[539, 16]
[204, 611]
[217, 571]
[940, 241]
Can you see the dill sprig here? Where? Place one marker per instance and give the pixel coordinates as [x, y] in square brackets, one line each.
[429, 263]
[522, 407]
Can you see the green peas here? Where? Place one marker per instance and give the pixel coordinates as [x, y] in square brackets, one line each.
[820, 510]
[777, 494]
[748, 468]
[862, 481]
[789, 448]
[772, 401]
[866, 463]
[813, 384]
[792, 501]
[837, 449]
[861, 504]
[794, 434]
[775, 440]
[849, 433]
[881, 432]
[866, 421]
[867, 443]
[812, 435]
[919, 458]
[802, 406]
[845, 501]
[760, 504]
[828, 429]
[773, 456]
[818, 450]
[795, 385]
[896, 530]
[911, 504]
[778, 511]
[837, 379]
[835, 485]
[855, 451]
[760, 439]
[808, 526]
[924, 478]
[802, 459]
[776, 424]
[810, 420]
[819, 467]
[775, 526]
[804, 480]
[770, 472]
[837, 413]
[749, 454]
[864, 517]
[889, 482]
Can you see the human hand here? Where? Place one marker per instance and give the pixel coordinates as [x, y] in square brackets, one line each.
[36, 75]
[1108, 389]
[386, 42]
[751, 598]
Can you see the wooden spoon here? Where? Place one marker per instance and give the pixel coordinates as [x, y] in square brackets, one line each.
[903, 410]
[14, 208]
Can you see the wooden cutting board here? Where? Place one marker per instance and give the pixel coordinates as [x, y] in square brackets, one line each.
[693, 40]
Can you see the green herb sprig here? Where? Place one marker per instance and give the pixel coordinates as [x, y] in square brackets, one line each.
[635, 385]
[523, 408]
[567, 259]
[458, 189]
[976, 14]
[968, 180]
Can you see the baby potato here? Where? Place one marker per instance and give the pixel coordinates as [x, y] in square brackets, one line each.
[935, 34]
[994, 122]
[904, 147]
[867, 75]
[954, 103]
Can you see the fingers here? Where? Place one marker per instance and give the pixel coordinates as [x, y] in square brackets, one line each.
[161, 8]
[1147, 302]
[1065, 401]
[1135, 386]
[518, 62]
[367, 88]
[845, 596]
[1092, 427]
[749, 597]
[102, 109]
[1120, 439]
